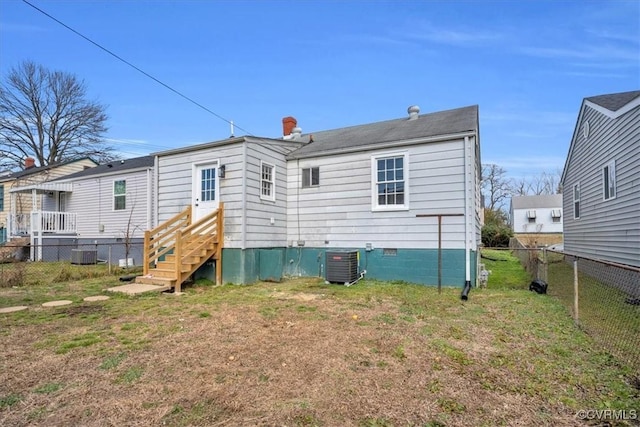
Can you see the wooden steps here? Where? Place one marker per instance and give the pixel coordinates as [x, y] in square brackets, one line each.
[174, 250]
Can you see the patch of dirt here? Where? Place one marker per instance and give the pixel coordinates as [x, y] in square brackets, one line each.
[82, 309]
[299, 296]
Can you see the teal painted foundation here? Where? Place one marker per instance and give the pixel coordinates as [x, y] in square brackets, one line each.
[418, 266]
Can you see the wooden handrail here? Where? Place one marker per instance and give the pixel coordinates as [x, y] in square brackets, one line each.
[185, 239]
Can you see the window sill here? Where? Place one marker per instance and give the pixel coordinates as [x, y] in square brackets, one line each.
[390, 208]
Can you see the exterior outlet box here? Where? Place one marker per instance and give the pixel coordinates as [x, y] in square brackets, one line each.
[300, 242]
[368, 247]
[342, 266]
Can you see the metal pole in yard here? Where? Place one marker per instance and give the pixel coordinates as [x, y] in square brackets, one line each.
[109, 259]
[576, 316]
[545, 266]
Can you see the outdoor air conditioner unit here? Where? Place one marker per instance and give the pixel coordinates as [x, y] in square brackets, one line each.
[342, 266]
[84, 256]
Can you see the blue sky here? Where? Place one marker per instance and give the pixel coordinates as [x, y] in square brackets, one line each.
[330, 64]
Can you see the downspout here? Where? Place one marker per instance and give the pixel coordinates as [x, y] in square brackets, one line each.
[149, 197]
[155, 215]
[467, 255]
[244, 211]
[244, 195]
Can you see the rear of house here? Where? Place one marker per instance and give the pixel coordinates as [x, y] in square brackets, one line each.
[404, 194]
[401, 197]
[601, 178]
[248, 175]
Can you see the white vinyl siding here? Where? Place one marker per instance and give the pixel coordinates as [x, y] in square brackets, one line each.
[609, 180]
[119, 195]
[92, 199]
[607, 229]
[339, 213]
[175, 186]
[266, 221]
[248, 218]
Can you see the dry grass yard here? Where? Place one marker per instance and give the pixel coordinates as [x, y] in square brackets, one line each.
[300, 353]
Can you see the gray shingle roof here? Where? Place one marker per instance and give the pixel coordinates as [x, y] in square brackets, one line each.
[614, 101]
[532, 202]
[111, 167]
[375, 134]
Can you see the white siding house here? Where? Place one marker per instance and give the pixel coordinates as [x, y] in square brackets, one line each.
[601, 180]
[536, 214]
[403, 193]
[101, 208]
[248, 175]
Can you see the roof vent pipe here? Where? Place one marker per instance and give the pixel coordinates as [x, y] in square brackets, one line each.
[296, 132]
[413, 111]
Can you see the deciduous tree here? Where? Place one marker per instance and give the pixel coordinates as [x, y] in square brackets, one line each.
[46, 115]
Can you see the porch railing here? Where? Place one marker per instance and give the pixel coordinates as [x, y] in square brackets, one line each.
[43, 222]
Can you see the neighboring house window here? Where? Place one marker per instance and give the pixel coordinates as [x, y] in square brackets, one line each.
[310, 177]
[390, 182]
[609, 180]
[576, 201]
[1, 198]
[119, 195]
[531, 215]
[267, 181]
[556, 214]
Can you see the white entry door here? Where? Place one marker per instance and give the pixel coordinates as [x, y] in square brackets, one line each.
[206, 189]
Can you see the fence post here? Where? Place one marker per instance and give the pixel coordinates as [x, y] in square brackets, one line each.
[576, 315]
[545, 265]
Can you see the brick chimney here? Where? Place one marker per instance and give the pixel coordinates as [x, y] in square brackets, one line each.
[288, 123]
[29, 162]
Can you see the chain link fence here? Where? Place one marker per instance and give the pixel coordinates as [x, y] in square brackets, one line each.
[602, 297]
[23, 264]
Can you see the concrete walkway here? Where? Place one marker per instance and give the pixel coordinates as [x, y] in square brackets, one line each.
[138, 288]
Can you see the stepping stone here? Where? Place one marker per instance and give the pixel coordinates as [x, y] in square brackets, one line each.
[57, 303]
[13, 309]
[97, 298]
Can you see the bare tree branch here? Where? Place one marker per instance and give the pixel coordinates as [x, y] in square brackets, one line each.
[46, 115]
[495, 185]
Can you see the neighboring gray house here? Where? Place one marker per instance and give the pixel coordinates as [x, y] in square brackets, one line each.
[601, 180]
[536, 214]
[402, 193]
[100, 208]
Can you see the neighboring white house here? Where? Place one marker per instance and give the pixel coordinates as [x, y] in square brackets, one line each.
[23, 192]
[101, 208]
[601, 180]
[536, 214]
[403, 193]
